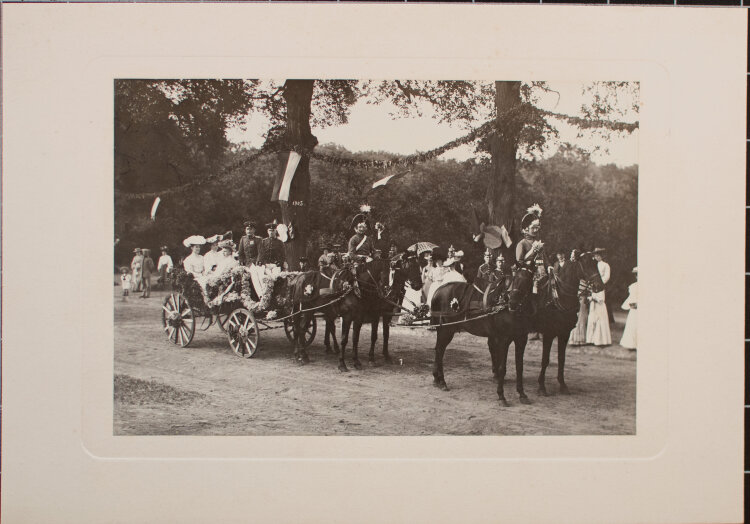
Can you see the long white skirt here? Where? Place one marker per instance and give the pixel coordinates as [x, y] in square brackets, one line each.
[597, 330]
[629, 334]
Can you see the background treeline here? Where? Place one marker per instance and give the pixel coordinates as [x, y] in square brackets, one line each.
[585, 204]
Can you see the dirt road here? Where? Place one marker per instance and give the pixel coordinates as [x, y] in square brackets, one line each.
[162, 389]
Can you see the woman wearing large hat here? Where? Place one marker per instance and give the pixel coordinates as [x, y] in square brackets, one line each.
[530, 247]
[360, 244]
[194, 262]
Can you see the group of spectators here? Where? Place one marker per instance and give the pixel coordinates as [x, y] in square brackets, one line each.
[593, 325]
[137, 277]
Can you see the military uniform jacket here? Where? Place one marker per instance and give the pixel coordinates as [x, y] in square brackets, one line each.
[365, 248]
[248, 249]
[483, 273]
[271, 251]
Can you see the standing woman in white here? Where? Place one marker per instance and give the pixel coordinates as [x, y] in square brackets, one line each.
[630, 333]
[597, 331]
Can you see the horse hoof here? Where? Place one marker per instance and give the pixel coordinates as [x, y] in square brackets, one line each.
[343, 368]
[525, 400]
[444, 386]
[543, 392]
[504, 402]
[357, 364]
[388, 359]
[564, 390]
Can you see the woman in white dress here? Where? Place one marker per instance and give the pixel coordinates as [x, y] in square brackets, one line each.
[226, 260]
[630, 333]
[597, 330]
[194, 262]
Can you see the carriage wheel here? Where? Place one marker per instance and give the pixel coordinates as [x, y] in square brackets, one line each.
[221, 318]
[242, 330]
[178, 319]
[310, 329]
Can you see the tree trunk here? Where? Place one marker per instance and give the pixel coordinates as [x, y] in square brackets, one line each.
[501, 190]
[298, 97]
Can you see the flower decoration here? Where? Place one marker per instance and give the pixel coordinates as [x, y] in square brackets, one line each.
[365, 208]
[454, 304]
[535, 209]
[309, 290]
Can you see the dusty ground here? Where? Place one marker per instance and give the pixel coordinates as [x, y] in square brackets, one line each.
[205, 389]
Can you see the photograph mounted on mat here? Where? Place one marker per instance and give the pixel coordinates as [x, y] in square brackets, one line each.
[502, 210]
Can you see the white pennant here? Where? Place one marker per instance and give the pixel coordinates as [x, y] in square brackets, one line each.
[153, 208]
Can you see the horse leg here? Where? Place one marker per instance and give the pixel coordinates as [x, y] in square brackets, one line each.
[444, 337]
[501, 360]
[386, 333]
[355, 343]
[373, 339]
[304, 319]
[346, 323]
[327, 339]
[520, 344]
[331, 326]
[562, 344]
[547, 339]
[493, 346]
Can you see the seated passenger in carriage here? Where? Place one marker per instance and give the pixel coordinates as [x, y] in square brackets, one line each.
[501, 272]
[211, 258]
[226, 260]
[485, 270]
[193, 263]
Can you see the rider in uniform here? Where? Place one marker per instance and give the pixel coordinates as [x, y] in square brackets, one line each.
[530, 249]
[361, 246]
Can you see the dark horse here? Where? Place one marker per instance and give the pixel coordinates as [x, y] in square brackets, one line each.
[557, 311]
[330, 294]
[455, 304]
[379, 298]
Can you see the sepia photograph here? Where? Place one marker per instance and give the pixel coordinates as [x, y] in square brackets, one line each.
[375, 257]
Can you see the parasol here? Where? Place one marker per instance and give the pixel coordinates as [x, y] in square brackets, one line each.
[421, 247]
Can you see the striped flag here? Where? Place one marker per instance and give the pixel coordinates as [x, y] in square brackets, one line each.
[281, 188]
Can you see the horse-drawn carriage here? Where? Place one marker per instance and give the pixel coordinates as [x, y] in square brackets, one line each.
[230, 301]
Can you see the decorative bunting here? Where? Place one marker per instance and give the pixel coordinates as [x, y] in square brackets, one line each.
[521, 111]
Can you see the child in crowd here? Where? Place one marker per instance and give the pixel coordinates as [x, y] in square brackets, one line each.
[126, 280]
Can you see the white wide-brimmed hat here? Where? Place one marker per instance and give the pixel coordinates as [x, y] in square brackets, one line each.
[214, 239]
[194, 240]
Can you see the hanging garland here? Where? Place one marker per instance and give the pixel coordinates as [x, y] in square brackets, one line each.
[197, 183]
[522, 111]
[590, 123]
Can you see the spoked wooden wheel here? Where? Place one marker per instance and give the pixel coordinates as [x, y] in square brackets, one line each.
[222, 316]
[310, 329]
[242, 330]
[178, 319]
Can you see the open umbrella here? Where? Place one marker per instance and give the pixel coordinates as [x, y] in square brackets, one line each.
[421, 247]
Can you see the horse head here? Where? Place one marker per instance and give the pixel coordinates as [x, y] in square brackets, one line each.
[589, 271]
[520, 287]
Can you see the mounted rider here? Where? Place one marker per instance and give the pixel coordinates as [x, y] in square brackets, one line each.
[361, 245]
[530, 252]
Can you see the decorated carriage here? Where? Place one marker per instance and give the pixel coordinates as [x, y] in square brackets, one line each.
[230, 301]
